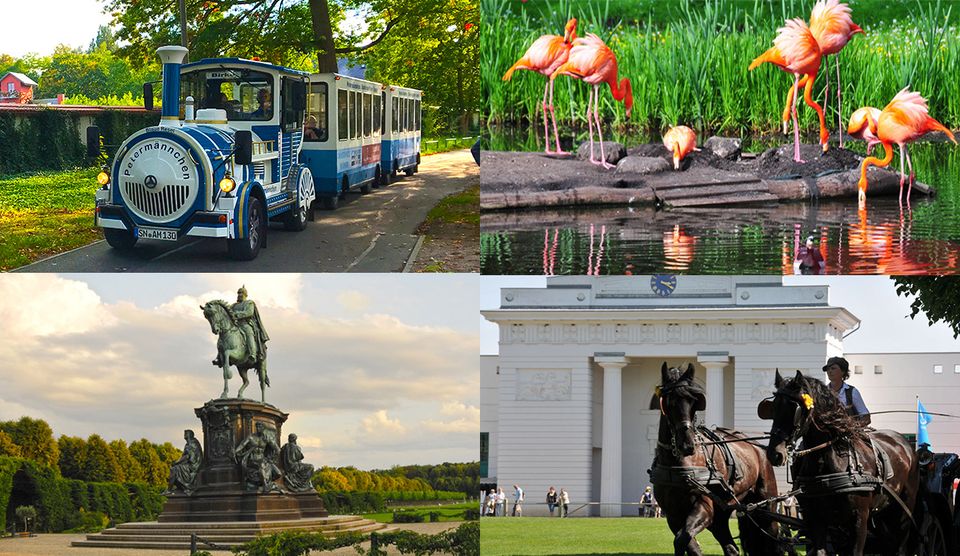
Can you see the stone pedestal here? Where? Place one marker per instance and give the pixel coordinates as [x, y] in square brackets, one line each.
[219, 493]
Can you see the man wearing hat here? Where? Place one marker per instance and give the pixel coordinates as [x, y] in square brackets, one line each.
[838, 371]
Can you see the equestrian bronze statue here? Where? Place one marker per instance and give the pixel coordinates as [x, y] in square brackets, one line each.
[241, 340]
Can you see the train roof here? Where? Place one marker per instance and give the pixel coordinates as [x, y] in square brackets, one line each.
[243, 62]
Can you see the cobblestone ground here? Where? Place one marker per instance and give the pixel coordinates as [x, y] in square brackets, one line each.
[59, 545]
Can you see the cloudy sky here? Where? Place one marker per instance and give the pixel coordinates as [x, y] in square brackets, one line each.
[885, 324]
[374, 370]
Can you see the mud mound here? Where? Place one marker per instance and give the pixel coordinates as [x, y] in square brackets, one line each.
[778, 163]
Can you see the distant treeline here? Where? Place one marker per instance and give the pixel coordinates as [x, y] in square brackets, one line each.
[93, 459]
[450, 477]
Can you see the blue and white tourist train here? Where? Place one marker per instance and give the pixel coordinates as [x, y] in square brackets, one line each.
[241, 143]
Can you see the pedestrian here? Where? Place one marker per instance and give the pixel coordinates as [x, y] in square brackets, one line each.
[552, 500]
[517, 501]
[564, 502]
[646, 502]
[491, 503]
[501, 502]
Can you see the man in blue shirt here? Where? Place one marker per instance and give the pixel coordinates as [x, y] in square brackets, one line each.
[838, 371]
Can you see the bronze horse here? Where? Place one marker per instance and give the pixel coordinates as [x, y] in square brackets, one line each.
[851, 478]
[697, 485]
[232, 349]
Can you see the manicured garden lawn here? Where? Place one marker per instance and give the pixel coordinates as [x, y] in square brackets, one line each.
[586, 536]
[45, 213]
[448, 512]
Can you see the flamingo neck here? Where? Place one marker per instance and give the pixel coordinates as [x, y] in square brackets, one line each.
[879, 162]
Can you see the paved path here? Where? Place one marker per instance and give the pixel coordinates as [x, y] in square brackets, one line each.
[367, 233]
[59, 544]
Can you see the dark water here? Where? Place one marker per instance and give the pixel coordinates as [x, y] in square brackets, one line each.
[883, 239]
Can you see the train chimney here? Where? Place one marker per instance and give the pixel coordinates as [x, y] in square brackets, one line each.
[172, 57]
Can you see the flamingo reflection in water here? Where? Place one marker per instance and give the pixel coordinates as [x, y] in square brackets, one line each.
[887, 248]
[594, 257]
[679, 249]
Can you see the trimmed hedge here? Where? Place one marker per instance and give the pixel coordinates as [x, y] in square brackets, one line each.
[59, 500]
[426, 495]
[50, 139]
[462, 541]
[353, 502]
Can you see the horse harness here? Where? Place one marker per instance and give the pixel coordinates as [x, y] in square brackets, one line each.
[706, 480]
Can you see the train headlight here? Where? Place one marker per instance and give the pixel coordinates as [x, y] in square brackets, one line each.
[227, 184]
[103, 178]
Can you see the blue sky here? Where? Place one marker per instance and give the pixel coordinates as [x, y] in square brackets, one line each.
[885, 326]
[374, 370]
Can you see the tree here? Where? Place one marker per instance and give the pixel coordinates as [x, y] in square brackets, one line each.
[104, 39]
[73, 452]
[331, 479]
[35, 439]
[132, 471]
[937, 297]
[7, 446]
[96, 74]
[153, 469]
[101, 464]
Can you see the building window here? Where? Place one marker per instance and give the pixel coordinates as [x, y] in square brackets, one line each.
[878, 369]
[484, 454]
[10, 87]
[938, 369]
[858, 369]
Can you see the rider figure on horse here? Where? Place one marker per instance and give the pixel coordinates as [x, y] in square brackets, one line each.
[247, 316]
[838, 371]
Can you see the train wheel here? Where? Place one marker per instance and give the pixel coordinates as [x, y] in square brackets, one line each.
[296, 219]
[247, 248]
[410, 170]
[932, 541]
[119, 239]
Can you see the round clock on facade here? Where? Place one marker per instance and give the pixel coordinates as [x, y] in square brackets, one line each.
[663, 284]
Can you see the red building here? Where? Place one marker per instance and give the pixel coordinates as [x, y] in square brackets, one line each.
[16, 88]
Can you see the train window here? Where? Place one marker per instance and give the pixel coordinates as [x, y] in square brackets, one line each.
[353, 114]
[417, 114]
[355, 97]
[376, 114]
[406, 114]
[292, 103]
[315, 125]
[342, 114]
[367, 114]
[244, 94]
[395, 128]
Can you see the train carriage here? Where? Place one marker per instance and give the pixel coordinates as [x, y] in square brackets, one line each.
[241, 143]
[342, 135]
[401, 131]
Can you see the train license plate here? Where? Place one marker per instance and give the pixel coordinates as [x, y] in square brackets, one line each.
[157, 233]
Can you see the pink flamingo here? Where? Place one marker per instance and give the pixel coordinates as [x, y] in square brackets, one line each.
[592, 61]
[544, 56]
[833, 28]
[681, 141]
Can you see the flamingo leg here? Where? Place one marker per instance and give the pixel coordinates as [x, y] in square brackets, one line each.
[826, 86]
[590, 124]
[553, 115]
[596, 114]
[791, 94]
[900, 193]
[546, 132]
[912, 176]
[796, 125]
[839, 102]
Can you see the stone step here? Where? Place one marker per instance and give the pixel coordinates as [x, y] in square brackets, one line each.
[153, 535]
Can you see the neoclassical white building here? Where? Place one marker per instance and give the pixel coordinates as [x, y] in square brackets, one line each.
[569, 400]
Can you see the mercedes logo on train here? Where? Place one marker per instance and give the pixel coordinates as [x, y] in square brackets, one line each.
[150, 182]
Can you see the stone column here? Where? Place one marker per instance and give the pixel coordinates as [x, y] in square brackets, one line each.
[612, 452]
[714, 362]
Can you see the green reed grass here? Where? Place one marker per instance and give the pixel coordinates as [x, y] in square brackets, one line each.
[692, 69]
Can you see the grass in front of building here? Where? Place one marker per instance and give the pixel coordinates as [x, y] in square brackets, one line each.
[585, 536]
[448, 512]
[45, 213]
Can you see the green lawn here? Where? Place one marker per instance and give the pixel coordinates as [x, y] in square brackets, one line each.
[585, 536]
[448, 512]
[45, 213]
